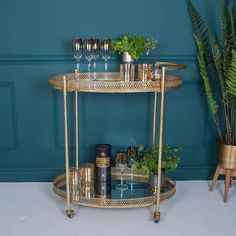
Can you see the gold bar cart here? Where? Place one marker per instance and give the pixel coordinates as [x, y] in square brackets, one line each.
[110, 83]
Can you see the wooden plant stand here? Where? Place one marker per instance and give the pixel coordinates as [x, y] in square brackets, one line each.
[229, 174]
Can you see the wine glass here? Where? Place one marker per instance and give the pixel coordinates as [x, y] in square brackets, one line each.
[121, 163]
[77, 46]
[105, 51]
[88, 52]
[132, 153]
[96, 49]
[132, 191]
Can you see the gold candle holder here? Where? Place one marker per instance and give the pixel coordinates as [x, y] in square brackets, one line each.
[87, 190]
[87, 173]
[145, 72]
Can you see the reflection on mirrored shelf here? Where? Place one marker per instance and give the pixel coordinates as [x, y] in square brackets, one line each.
[105, 195]
[138, 190]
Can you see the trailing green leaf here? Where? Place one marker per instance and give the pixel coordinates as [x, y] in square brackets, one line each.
[232, 19]
[231, 82]
[225, 35]
[203, 71]
[200, 29]
[218, 58]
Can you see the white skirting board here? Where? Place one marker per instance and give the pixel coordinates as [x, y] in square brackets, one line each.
[32, 209]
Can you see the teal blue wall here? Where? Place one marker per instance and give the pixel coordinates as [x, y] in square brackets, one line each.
[35, 38]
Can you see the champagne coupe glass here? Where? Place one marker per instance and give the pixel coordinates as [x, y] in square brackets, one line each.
[105, 51]
[96, 49]
[132, 153]
[88, 52]
[77, 46]
[121, 163]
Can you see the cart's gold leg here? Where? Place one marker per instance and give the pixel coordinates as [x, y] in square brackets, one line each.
[154, 119]
[69, 211]
[76, 132]
[157, 214]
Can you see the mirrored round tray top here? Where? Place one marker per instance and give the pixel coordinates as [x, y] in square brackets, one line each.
[101, 82]
[136, 195]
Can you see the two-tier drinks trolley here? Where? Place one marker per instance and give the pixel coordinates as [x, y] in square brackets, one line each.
[110, 83]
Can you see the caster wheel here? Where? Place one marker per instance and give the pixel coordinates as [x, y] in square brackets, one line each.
[70, 213]
[156, 217]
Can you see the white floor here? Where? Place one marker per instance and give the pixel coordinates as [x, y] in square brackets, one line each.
[32, 209]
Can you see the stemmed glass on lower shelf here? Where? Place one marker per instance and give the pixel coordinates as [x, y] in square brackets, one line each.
[132, 153]
[121, 163]
[105, 51]
[77, 46]
[88, 52]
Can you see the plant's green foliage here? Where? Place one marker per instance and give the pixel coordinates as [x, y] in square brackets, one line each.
[231, 82]
[228, 130]
[134, 45]
[218, 58]
[224, 34]
[198, 24]
[203, 71]
[218, 74]
[232, 18]
[148, 164]
[200, 29]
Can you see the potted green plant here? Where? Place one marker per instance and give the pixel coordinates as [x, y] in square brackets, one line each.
[148, 164]
[132, 46]
[217, 63]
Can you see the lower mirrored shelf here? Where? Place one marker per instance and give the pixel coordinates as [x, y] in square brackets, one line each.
[106, 195]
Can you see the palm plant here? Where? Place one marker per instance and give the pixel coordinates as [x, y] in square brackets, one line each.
[217, 63]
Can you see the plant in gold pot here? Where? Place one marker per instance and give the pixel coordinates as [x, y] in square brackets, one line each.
[132, 46]
[148, 164]
[217, 63]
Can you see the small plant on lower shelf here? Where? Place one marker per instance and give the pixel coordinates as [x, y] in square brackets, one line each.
[148, 164]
